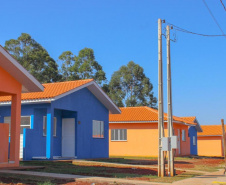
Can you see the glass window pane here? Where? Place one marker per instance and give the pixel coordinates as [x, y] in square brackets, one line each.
[102, 129]
[44, 125]
[25, 121]
[112, 134]
[125, 134]
[120, 134]
[116, 135]
[55, 127]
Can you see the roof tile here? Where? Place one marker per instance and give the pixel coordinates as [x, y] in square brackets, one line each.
[211, 130]
[51, 90]
[129, 114]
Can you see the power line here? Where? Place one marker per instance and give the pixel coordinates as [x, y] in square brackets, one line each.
[187, 31]
[223, 5]
[213, 16]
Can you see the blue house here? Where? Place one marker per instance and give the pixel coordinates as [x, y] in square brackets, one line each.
[192, 131]
[67, 120]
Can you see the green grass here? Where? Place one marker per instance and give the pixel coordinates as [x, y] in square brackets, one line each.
[102, 171]
[76, 169]
[27, 179]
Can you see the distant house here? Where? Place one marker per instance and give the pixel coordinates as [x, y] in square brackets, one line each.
[210, 141]
[134, 132]
[14, 80]
[192, 131]
[66, 120]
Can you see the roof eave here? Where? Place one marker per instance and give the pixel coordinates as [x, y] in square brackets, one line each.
[29, 83]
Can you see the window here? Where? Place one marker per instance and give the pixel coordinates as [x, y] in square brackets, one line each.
[119, 134]
[45, 126]
[55, 127]
[25, 122]
[98, 129]
[183, 135]
[194, 140]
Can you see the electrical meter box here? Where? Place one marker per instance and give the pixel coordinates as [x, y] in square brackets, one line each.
[174, 142]
[165, 144]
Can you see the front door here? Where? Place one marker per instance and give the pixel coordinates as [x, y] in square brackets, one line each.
[178, 141]
[68, 137]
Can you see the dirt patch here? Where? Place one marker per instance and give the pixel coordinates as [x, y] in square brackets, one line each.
[195, 162]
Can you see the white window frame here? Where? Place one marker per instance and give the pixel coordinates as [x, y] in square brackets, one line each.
[9, 117]
[119, 133]
[100, 133]
[183, 135]
[194, 140]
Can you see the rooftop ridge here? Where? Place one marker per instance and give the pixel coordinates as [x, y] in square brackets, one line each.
[91, 79]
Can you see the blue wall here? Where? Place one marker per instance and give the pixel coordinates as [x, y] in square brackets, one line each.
[193, 148]
[88, 108]
[81, 105]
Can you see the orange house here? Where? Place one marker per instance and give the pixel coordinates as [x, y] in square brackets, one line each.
[210, 141]
[134, 132]
[14, 80]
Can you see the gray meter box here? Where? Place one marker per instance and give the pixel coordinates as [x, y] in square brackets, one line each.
[165, 144]
[168, 143]
[174, 142]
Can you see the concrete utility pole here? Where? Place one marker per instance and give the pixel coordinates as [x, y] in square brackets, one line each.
[224, 143]
[161, 162]
[169, 101]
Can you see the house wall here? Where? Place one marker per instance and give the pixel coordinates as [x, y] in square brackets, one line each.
[193, 133]
[142, 140]
[34, 141]
[10, 86]
[210, 146]
[88, 108]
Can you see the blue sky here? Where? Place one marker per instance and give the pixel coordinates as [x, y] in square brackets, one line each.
[123, 30]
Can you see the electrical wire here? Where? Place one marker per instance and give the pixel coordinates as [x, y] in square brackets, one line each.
[223, 5]
[213, 17]
[187, 31]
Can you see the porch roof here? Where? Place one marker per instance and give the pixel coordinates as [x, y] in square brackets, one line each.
[17, 71]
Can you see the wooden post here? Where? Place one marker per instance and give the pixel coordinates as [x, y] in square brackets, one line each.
[161, 162]
[223, 143]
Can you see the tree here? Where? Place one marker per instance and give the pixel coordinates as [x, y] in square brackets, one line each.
[33, 57]
[130, 87]
[67, 58]
[83, 66]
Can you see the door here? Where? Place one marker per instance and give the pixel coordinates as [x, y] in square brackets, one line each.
[178, 141]
[68, 137]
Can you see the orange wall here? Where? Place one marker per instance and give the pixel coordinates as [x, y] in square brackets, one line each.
[210, 146]
[142, 139]
[10, 86]
[4, 144]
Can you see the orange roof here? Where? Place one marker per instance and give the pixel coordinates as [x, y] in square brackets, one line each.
[51, 90]
[137, 114]
[211, 130]
[191, 118]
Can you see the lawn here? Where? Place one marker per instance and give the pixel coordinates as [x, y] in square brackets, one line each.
[136, 168]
